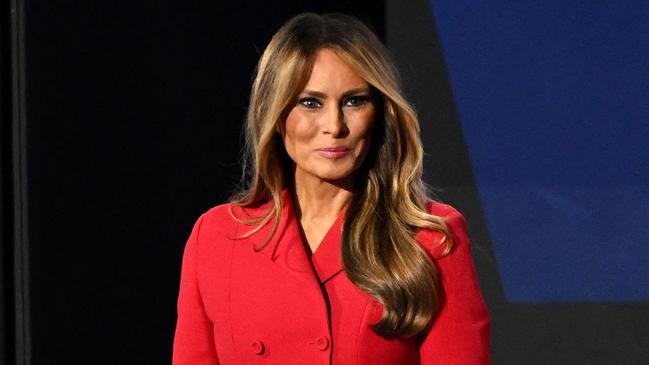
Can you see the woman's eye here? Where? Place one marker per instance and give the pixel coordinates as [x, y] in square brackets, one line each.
[310, 103]
[356, 100]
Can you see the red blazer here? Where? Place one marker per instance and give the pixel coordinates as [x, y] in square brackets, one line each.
[238, 306]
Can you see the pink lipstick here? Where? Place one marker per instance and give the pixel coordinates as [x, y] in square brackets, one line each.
[333, 152]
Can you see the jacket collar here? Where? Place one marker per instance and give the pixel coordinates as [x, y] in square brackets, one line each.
[327, 259]
[288, 250]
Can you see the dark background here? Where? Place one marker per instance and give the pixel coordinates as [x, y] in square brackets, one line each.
[121, 124]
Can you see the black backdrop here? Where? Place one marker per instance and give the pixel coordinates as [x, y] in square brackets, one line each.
[130, 130]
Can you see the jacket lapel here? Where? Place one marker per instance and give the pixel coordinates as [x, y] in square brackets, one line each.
[327, 259]
[287, 249]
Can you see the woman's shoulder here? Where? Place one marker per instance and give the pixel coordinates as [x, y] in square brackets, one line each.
[218, 217]
[209, 219]
[451, 216]
[433, 240]
[440, 209]
[228, 215]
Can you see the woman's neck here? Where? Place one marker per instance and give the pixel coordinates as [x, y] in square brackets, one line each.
[319, 200]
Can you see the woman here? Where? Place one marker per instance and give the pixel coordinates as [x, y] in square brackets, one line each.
[332, 254]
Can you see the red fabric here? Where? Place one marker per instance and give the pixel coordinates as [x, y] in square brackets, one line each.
[238, 306]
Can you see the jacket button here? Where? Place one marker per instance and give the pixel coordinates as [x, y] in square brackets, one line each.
[258, 347]
[322, 343]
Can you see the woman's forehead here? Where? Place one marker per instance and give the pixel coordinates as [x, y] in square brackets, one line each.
[330, 71]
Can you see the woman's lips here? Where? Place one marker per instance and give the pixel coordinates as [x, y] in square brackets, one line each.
[333, 152]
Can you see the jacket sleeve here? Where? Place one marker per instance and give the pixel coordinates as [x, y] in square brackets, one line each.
[460, 332]
[193, 340]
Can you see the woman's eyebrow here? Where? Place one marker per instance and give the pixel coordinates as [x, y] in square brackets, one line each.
[319, 94]
[314, 93]
[358, 90]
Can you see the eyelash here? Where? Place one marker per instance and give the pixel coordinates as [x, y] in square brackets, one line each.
[313, 103]
[306, 101]
[359, 100]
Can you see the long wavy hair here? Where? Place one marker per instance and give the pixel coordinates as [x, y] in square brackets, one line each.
[380, 253]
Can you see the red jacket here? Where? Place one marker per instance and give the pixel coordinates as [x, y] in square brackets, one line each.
[238, 306]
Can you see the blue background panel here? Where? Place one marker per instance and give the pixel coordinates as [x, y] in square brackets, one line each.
[553, 99]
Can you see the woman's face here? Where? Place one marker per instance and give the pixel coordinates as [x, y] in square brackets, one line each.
[327, 133]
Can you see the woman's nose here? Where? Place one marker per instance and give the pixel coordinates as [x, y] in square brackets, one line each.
[334, 122]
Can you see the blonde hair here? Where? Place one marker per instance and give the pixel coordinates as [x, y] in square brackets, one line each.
[380, 253]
